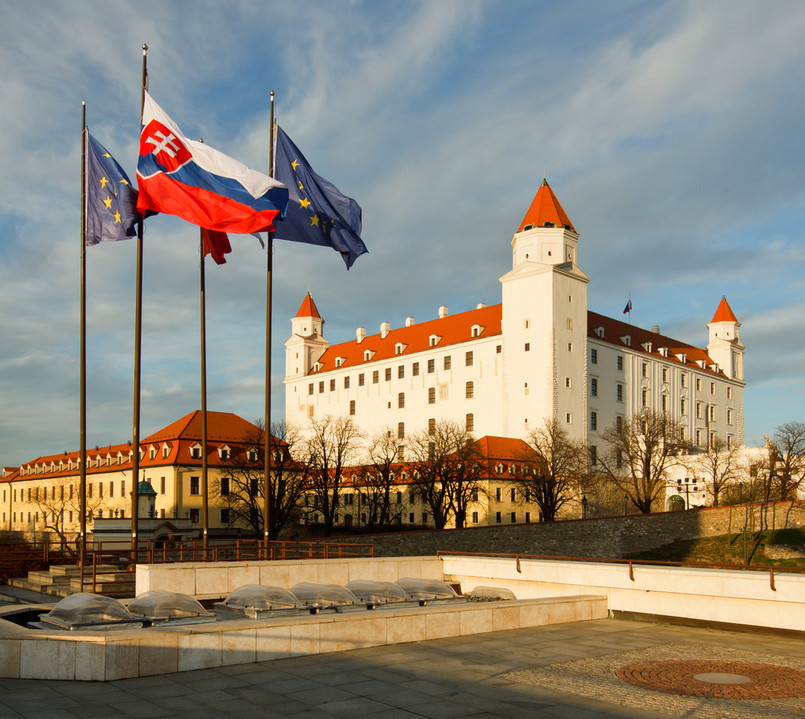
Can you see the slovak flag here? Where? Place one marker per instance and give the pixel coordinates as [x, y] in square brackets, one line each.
[198, 183]
[628, 307]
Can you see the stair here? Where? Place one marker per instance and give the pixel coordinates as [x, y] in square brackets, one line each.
[63, 580]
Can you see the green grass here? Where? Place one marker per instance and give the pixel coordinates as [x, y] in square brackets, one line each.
[728, 549]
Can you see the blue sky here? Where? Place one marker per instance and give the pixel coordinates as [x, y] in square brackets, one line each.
[672, 133]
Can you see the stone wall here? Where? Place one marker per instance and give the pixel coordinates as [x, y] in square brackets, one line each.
[608, 537]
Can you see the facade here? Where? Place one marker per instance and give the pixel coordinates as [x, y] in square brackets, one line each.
[503, 370]
[170, 461]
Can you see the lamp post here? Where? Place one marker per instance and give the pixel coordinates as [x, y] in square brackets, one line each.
[584, 507]
[625, 504]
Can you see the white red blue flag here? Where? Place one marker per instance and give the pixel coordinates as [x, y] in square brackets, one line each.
[628, 307]
[198, 183]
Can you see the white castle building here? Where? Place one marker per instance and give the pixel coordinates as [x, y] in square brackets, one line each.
[503, 370]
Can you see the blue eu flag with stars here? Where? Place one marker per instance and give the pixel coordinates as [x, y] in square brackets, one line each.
[318, 213]
[111, 200]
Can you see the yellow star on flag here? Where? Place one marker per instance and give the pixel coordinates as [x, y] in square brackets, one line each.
[117, 217]
[108, 202]
[295, 164]
[314, 220]
[304, 203]
[103, 181]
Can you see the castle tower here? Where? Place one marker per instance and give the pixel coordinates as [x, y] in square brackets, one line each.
[306, 343]
[544, 323]
[725, 346]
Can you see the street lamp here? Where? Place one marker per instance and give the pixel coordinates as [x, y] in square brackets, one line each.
[584, 507]
[625, 504]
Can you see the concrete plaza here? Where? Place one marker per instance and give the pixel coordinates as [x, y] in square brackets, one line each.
[468, 676]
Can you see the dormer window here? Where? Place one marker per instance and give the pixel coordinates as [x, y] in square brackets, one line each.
[433, 340]
[599, 332]
[223, 453]
[498, 468]
[195, 451]
[476, 330]
[367, 355]
[647, 346]
[663, 351]
[317, 366]
[399, 348]
[152, 453]
[165, 451]
[340, 361]
[627, 340]
[251, 455]
[682, 357]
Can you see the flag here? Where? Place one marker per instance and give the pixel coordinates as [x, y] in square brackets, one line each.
[198, 183]
[318, 213]
[216, 244]
[628, 307]
[111, 201]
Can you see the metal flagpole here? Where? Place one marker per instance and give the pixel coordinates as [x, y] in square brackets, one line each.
[267, 427]
[82, 484]
[138, 326]
[204, 497]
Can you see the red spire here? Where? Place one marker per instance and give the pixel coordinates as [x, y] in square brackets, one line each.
[546, 209]
[724, 312]
[308, 308]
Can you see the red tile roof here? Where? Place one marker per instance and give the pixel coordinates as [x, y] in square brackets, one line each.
[545, 208]
[452, 329]
[308, 308]
[724, 312]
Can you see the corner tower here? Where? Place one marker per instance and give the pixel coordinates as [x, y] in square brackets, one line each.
[725, 347]
[306, 343]
[544, 323]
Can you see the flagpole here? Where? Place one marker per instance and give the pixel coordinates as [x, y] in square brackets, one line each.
[82, 483]
[138, 326]
[267, 421]
[204, 497]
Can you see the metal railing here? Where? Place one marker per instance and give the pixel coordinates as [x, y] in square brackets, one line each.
[631, 563]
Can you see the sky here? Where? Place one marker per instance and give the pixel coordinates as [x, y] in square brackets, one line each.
[671, 132]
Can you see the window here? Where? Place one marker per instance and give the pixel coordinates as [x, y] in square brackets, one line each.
[729, 392]
[194, 515]
[569, 346]
[498, 494]
[161, 487]
[448, 361]
[665, 403]
[475, 517]
[431, 366]
[321, 386]
[399, 498]
[619, 392]
[388, 374]
[89, 490]
[310, 388]
[497, 517]
[424, 517]
[224, 486]
[352, 408]
[684, 379]
[469, 390]
[644, 369]
[468, 359]
[593, 356]
[567, 382]
[401, 372]
[415, 369]
[644, 398]
[346, 382]
[470, 422]
[224, 515]
[683, 406]
[593, 421]
[712, 413]
[223, 453]
[698, 384]
[513, 495]
[194, 485]
[594, 387]
[698, 410]
[620, 363]
[729, 416]
[375, 376]
[361, 380]
[401, 400]
[593, 454]
[431, 426]
[431, 395]
[498, 349]
[411, 517]
[568, 418]
[698, 437]
[195, 452]
[527, 347]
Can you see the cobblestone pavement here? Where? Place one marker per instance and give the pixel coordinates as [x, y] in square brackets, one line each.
[559, 671]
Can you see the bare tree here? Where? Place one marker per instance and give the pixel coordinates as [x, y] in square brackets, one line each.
[378, 478]
[719, 466]
[447, 470]
[554, 467]
[55, 501]
[330, 447]
[638, 455]
[788, 441]
[240, 489]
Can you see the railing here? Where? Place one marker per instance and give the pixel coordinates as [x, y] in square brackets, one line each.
[630, 562]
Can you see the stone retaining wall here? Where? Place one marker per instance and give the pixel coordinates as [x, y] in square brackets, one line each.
[610, 537]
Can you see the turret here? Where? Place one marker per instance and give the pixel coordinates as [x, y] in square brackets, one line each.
[725, 347]
[306, 343]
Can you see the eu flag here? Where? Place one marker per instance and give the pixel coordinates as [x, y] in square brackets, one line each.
[318, 213]
[111, 200]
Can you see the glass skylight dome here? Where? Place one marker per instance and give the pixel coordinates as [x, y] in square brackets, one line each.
[161, 607]
[371, 592]
[428, 590]
[256, 601]
[88, 611]
[323, 596]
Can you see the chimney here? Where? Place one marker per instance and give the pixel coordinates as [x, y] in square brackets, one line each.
[409, 321]
[655, 329]
[385, 328]
[442, 312]
[480, 305]
[360, 334]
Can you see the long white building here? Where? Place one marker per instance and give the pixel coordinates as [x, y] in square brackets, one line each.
[503, 370]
